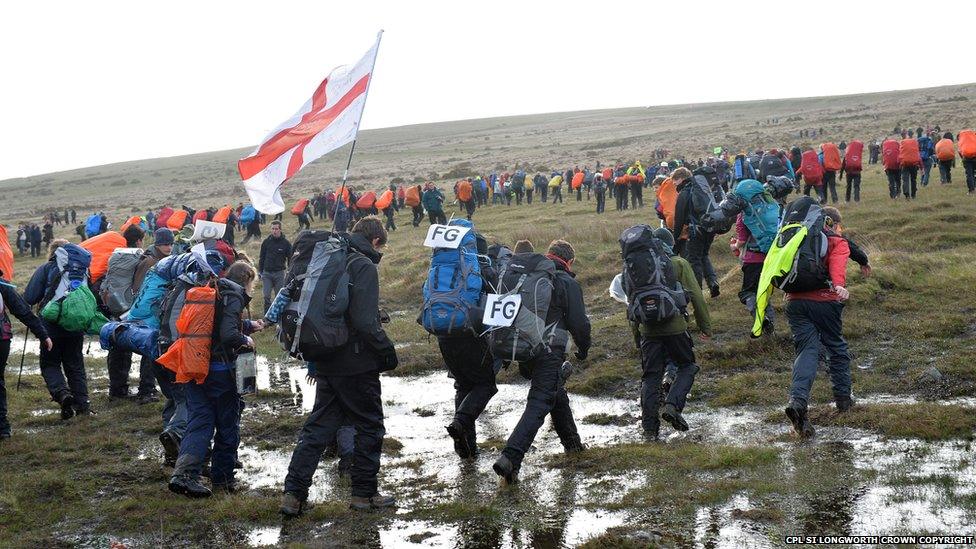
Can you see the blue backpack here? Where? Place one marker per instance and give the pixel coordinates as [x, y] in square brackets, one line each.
[93, 225]
[453, 287]
[248, 213]
[761, 214]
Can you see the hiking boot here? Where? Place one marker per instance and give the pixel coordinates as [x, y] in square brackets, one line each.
[798, 417]
[504, 468]
[668, 381]
[67, 407]
[768, 327]
[292, 505]
[844, 404]
[714, 290]
[171, 447]
[148, 399]
[361, 503]
[673, 416]
[189, 486]
[462, 444]
[86, 411]
[574, 446]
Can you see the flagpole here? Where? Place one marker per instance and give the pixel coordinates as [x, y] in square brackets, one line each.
[345, 173]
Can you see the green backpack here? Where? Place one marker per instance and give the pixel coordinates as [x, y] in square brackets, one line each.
[75, 312]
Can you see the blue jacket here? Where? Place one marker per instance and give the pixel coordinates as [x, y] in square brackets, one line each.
[926, 147]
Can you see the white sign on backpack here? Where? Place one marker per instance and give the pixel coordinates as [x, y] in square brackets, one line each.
[207, 230]
[501, 310]
[445, 236]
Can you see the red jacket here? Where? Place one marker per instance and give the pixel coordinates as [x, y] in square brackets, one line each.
[838, 252]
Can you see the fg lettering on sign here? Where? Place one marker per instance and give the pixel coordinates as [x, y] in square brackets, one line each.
[501, 310]
[445, 236]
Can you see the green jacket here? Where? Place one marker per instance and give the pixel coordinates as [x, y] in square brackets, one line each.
[678, 324]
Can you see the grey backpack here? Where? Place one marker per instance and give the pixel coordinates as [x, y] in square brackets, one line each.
[116, 288]
[531, 276]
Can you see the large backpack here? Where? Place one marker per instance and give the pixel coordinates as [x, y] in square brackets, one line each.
[771, 165]
[189, 354]
[453, 287]
[967, 144]
[313, 325]
[706, 194]
[248, 214]
[755, 160]
[908, 153]
[412, 196]
[831, 157]
[852, 156]
[811, 169]
[531, 276]
[93, 225]
[802, 232]
[890, 154]
[499, 256]
[760, 216]
[72, 262]
[116, 288]
[654, 295]
[945, 150]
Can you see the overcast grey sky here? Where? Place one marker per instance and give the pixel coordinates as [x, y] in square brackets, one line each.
[88, 83]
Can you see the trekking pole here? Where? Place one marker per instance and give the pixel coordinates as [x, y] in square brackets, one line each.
[22, 353]
[352, 149]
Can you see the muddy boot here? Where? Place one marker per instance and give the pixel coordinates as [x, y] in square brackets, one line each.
[189, 486]
[171, 448]
[714, 290]
[671, 414]
[360, 503]
[798, 417]
[344, 467]
[461, 441]
[67, 403]
[231, 487]
[504, 468]
[184, 481]
[844, 404]
[292, 505]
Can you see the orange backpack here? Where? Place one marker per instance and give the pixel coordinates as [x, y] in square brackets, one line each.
[299, 206]
[384, 200]
[464, 191]
[967, 144]
[176, 221]
[412, 198]
[101, 248]
[945, 150]
[6, 256]
[667, 198]
[831, 157]
[577, 181]
[908, 154]
[189, 355]
[222, 215]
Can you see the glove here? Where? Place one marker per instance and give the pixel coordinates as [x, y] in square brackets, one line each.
[389, 360]
[581, 354]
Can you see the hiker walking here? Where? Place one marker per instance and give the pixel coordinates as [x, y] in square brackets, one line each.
[273, 262]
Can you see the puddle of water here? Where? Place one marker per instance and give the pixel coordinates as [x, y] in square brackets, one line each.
[426, 471]
[262, 537]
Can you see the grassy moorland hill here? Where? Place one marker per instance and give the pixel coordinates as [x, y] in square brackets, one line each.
[899, 463]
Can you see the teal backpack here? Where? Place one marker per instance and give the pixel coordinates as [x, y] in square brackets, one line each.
[761, 214]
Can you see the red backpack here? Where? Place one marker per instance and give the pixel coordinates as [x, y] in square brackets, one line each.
[852, 156]
[831, 157]
[908, 154]
[811, 169]
[889, 154]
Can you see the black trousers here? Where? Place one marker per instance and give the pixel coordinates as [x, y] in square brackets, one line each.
[969, 165]
[821, 191]
[909, 181]
[528, 195]
[469, 208]
[547, 397]
[621, 193]
[418, 215]
[437, 218]
[4, 355]
[853, 182]
[636, 195]
[63, 370]
[471, 365]
[357, 399]
[830, 185]
[699, 245]
[894, 182]
[601, 201]
[119, 365]
[655, 352]
[945, 171]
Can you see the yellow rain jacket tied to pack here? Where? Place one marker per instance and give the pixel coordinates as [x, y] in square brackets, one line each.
[555, 181]
[794, 262]
[637, 168]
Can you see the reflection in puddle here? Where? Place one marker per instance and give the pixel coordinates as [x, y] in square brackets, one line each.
[260, 537]
[567, 504]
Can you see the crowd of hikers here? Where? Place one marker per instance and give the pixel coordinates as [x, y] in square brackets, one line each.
[182, 302]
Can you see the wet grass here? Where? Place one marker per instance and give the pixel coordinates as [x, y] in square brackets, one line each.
[926, 421]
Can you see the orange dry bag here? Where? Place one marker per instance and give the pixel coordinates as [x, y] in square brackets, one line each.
[945, 150]
[101, 248]
[189, 355]
[6, 256]
[222, 215]
[413, 196]
[967, 144]
[908, 153]
[385, 199]
[831, 157]
[177, 220]
[299, 206]
[464, 191]
[577, 181]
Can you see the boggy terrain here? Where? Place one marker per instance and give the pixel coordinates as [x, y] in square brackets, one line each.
[900, 462]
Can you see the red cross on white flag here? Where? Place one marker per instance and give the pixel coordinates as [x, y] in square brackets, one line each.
[327, 121]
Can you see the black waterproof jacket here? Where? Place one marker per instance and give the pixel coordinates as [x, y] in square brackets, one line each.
[229, 325]
[275, 253]
[567, 308]
[13, 303]
[369, 349]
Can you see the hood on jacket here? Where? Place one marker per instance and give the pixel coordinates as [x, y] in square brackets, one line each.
[359, 243]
